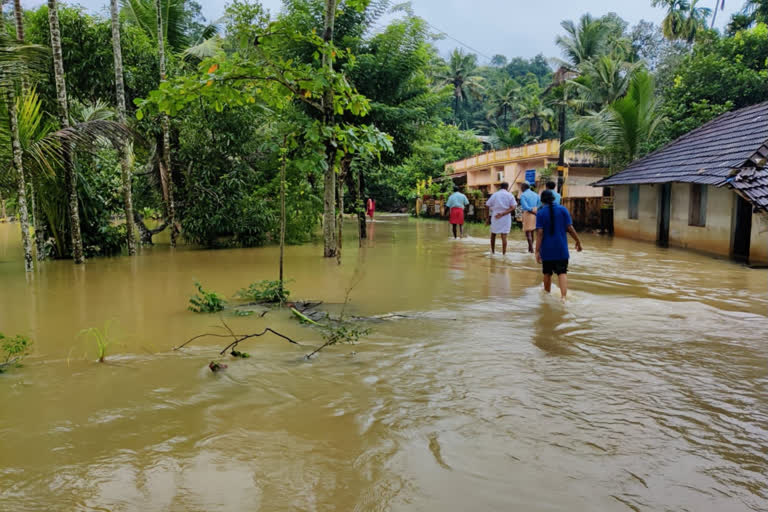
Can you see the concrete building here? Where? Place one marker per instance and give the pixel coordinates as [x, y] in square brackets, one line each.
[706, 191]
[516, 165]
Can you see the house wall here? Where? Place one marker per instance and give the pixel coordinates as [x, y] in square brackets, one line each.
[758, 248]
[715, 237]
[579, 181]
[645, 227]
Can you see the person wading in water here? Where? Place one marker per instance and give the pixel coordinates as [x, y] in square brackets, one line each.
[553, 224]
[457, 202]
[500, 205]
[529, 202]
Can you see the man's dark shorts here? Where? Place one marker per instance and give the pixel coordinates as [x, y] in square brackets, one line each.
[555, 267]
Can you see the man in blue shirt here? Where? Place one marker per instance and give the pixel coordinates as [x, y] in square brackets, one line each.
[553, 224]
[529, 202]
[551, 185]
[457, 202]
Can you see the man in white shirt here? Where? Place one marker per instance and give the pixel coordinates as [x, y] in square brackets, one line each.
[501, 205]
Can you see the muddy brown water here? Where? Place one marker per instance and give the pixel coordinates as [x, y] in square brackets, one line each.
[648, 390]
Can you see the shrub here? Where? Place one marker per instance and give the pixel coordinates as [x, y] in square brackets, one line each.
[14, 350]
[205, 301]
[272, 292]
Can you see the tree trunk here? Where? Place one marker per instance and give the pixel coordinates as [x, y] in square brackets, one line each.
[69, 169]
[354, 184]
[561, 157]
[282, 215]
[21, 182]
[343, 171]
[166, 156]
[125, 165]
[39, 237]
[3, 213]
[329, 207]
[19, 19]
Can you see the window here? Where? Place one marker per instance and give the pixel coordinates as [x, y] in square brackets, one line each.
[697, 210]
[634, 201]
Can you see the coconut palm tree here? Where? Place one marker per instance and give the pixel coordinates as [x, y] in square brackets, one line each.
[619, 130]
[583, 41]
[177, 22]
[684, 19]
[10, 78]
[719, 4]
[44, 150]
[125, 167]
[39, 231]
[61, 94]
[604, 80]
[165, 160]
[462, 76]
[534, 116]
[503, 99]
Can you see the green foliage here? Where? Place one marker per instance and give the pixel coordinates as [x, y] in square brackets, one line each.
[620, 130]
[86, 41]
[241, 355]
[265, 291]
[720, 74]
[101, 339]
[206, 302]
[14, 350]
[437, 146]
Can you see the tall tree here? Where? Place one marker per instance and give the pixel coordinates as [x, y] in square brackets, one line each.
[329, 195]
[502, 100]
[462, 76]
[165, 158]
[583, 41]
[719, 4]
[125, 165]
[69, 168]
[684, 19]
[620, 131]
[18, 163]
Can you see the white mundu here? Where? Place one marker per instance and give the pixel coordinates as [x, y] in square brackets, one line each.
[499, 202]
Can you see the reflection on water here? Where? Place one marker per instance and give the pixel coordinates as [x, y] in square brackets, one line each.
[648, 390]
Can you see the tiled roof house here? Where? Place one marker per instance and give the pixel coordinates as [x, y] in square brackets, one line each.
[707, 190]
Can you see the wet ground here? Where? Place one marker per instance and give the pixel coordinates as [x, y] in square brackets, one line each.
[647, 390]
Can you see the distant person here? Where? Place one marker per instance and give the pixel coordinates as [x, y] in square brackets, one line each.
[457, 202]
[553, 222]
[501, 205]
[529, 202]
[370, 208]
[551, 185]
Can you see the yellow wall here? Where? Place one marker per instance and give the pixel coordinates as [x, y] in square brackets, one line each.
[758, 248]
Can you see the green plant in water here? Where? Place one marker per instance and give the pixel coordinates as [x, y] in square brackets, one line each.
[272, 292]
[240, 312]
[205, 301]
[101, 339]
[340, 333]
[14, 350]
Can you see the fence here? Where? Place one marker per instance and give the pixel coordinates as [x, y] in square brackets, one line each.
[591, 212]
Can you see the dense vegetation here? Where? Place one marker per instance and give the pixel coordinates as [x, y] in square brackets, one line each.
[194, 135]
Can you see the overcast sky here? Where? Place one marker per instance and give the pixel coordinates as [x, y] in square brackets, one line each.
[508, 27]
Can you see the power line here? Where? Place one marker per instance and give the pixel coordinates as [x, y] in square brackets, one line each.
[449, 36]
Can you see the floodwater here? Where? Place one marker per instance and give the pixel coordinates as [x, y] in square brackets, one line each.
[648, 390]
